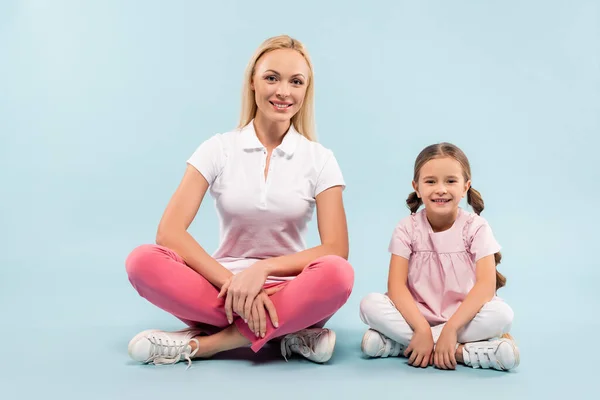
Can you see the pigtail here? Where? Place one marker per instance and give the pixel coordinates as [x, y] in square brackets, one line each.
[475, 200]
[500, 279]
[413, 202]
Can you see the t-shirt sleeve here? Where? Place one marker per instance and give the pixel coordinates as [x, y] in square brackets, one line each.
[481, 239]
[208, 158]
[401, 242]
[330, 175]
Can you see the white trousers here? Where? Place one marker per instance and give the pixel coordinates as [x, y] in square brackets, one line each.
[379, 312]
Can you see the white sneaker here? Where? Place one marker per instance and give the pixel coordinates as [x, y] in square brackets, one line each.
[376, 344]
[160, 347]
[499, 353]
[316, 344]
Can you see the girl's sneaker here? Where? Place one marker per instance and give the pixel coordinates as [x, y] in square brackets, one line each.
[499, 353]
[160, 347]
[316, 344]
[375, 344]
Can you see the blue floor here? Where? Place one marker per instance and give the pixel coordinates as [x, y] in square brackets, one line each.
[68, 338]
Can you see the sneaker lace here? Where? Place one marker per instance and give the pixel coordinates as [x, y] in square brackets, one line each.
[165, 350]
[302, 342]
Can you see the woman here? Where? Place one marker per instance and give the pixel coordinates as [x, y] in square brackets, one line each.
[267, 177]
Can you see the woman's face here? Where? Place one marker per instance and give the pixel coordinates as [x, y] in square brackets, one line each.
[280, 81]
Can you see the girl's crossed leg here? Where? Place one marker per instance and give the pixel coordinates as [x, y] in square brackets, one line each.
[482, 343]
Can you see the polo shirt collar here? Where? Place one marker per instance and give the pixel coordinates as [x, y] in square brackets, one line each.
[288, 145]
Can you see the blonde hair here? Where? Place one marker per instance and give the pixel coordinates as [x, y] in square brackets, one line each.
[304, 120]
[474, 198]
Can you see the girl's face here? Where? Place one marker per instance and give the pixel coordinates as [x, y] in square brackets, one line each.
[441, 186]
[280, 81]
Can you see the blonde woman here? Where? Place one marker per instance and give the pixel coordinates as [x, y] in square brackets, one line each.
[267, 176]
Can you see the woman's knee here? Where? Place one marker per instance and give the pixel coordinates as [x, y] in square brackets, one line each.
[141, 260]
[339, 272]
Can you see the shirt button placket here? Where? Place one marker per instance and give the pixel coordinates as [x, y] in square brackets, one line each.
[263, 195]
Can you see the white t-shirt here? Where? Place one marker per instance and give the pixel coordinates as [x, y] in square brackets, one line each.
[261, 218]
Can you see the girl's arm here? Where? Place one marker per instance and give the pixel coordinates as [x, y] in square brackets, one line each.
[401, 297]
[482, 292]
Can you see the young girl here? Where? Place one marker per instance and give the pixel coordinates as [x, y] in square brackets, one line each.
[441, 306]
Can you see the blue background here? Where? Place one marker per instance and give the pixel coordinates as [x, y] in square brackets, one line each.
[101, 103]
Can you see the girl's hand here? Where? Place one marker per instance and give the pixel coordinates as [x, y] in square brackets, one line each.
[420, 348]
[241, 290]
[444, 356]
[257, 321]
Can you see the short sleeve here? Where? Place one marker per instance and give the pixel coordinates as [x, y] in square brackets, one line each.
[209, 158]
[401, 242]
[330, 175]
[481, 239]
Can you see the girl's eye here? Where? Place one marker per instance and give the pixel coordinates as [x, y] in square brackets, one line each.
[429, 181]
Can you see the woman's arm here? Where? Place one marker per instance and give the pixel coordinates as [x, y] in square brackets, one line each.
[333, 230]
[177, 217]
[401, 297]
[242, 289]
[482, 292]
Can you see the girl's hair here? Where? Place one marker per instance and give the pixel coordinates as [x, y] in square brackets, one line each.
[474, 198]
[304, 119]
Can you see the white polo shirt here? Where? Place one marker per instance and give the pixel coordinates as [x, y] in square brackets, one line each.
[261, 218]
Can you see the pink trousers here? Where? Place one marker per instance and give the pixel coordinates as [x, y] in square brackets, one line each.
[161, 276]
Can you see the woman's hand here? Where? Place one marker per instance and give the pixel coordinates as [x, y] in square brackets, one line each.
[241, 290]
[257, 321]
[444, 356]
